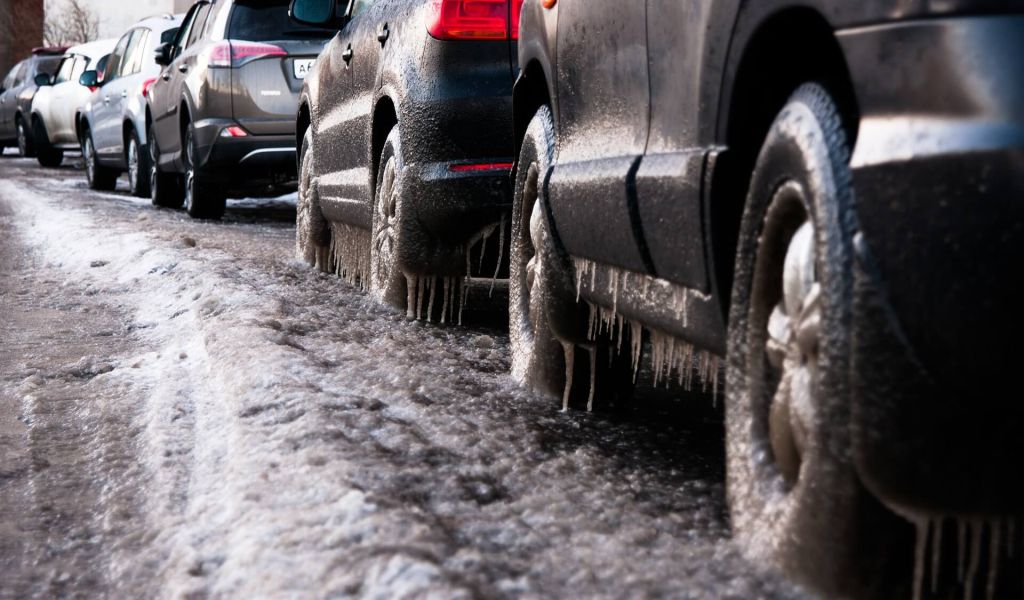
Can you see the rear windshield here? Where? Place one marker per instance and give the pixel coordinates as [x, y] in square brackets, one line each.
[267, 20]
[48, 65]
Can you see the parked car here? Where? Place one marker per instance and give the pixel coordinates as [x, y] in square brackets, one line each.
[222, 112]
[112, 127]
[822, 196]
[59, 100]
[405, 130]
[16, 92]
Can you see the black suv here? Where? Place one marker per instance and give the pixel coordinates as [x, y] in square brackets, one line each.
[16, 93]
[222, 113]
[405, 125]
[824, 197]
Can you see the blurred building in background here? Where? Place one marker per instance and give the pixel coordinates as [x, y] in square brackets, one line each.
[115, 16]
[21, 29]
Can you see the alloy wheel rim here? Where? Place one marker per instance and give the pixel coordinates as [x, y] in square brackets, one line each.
[152, 167]
[22, 139]
[190, 177]
[90, 167]
[133, 165]
[384, 240]
[534, 242]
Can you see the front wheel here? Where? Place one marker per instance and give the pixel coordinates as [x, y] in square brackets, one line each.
[100, 178]
[202, 200]
[25, 147]
[793, 492]
[312, 235]
[164, 188]
[138, 166]
[387, 281]
[46, 154]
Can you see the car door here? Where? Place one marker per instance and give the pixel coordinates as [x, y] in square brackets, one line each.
[106, 128]
[8, 101]
[603, 116]
[119, 90]
[56, 120]
[350, 77]
[168, 119]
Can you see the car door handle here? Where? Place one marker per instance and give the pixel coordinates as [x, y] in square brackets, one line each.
[384, 34]
[165, 76]
[183, 68]
[106, 99]
[124, 94]
[347, 54]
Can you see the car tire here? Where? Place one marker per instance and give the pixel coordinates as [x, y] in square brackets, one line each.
[46, 154]
[164, 188]
[25, 147]
[794, 495]
[312, 233]
[387, 279]
[137, 159]
[538, 359]
[100, 178]
[202, 200]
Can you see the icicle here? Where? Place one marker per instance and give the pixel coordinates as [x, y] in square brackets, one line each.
[432, 284]
[411, 282]
[976, 529]
[444, 306]
[465, 293]
[615, 288]
[501, 254]
[714, 385]
[593, 376]
[993, 558]
[922, 528]
[636, 340]
[936, 554]
[420, 285]
[569, 350]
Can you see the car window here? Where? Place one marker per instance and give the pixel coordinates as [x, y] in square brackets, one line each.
[183, 31]
[359, 6]
[47, 65]
[169, 36]
[81, 63]
[11, 76]
[200, 22]
[263, 20]
[20, 77]
[116, 58]
[132, 61]
[64, 71]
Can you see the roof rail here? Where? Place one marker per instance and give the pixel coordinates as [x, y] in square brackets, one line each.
[166, 16]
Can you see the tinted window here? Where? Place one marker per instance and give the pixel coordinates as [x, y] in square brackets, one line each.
[186, 26]
[64, 72]
[133, 57]
[168, 36]
[80, 65]
[267, 20]
[22, 72]
[197, 27]
[117, 57]
[11, 77]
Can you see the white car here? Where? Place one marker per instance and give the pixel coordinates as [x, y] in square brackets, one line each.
[60, 99]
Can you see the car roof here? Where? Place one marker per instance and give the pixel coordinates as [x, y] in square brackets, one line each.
[93, 50]
[160, 23]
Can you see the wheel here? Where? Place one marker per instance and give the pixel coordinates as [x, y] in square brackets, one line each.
[202, 201]
[25, 147]
[538, 359]
[99, 177]
[794, 496]
[164, 188]
[312, 235]
[137, 160]
[46, 154]
[387, 281]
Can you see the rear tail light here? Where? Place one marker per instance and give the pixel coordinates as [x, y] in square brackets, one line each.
[145, 87]
[475, 19]
[233, 131]
[477, 167]
[235, 53]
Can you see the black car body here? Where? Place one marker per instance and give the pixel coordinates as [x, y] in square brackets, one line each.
[444, 91]
[16, 93]
[223, 110]
[660, 114]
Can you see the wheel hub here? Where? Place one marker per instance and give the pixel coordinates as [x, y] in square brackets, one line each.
[387, 217]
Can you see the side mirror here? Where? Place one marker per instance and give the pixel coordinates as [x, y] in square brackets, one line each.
[89, 79]
[162, 54]
[313, 12]
[42, 79]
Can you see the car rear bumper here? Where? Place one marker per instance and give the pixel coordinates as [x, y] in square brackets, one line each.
[246, 164]
[939, 178]
[444, 211]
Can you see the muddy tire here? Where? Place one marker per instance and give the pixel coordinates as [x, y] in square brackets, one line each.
[164, 188]
[312, 234]
[387, 280]
[202, 199]
[795, 499]
[137, 159]
[26, 149]
[538, 359]
[46, 154]
[99, 178]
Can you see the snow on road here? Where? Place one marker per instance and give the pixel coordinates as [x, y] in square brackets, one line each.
[247, 427]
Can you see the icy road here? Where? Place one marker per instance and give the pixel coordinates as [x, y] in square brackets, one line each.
[186, 410]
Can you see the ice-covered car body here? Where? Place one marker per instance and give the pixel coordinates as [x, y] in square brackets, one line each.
[660, 112]
[16, 93]
[60, 100]
[115, 113]
[441, 85]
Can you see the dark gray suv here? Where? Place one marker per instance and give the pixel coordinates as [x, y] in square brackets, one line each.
[222, 113]
[16, 93]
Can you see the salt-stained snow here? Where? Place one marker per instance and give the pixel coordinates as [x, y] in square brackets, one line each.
[295, 439]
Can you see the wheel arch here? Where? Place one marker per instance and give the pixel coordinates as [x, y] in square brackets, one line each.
[302, 124]
[385, 118]
[779, 52]
[531, 91]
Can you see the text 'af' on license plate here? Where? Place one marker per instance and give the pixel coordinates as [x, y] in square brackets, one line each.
[303, 67]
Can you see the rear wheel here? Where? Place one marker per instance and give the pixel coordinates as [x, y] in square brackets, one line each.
[202, 200]
[387, 281]
[46, 154]
[99, 177]
[164, 188]
[794, 495]
[25, 147]
[312, 235]
[138, 166]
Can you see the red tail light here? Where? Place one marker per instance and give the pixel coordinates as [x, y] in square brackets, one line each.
[477, 167]
[235, 53]
[146, 85]
[475, 19]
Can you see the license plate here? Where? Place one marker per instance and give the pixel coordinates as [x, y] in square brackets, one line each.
[303, 67]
